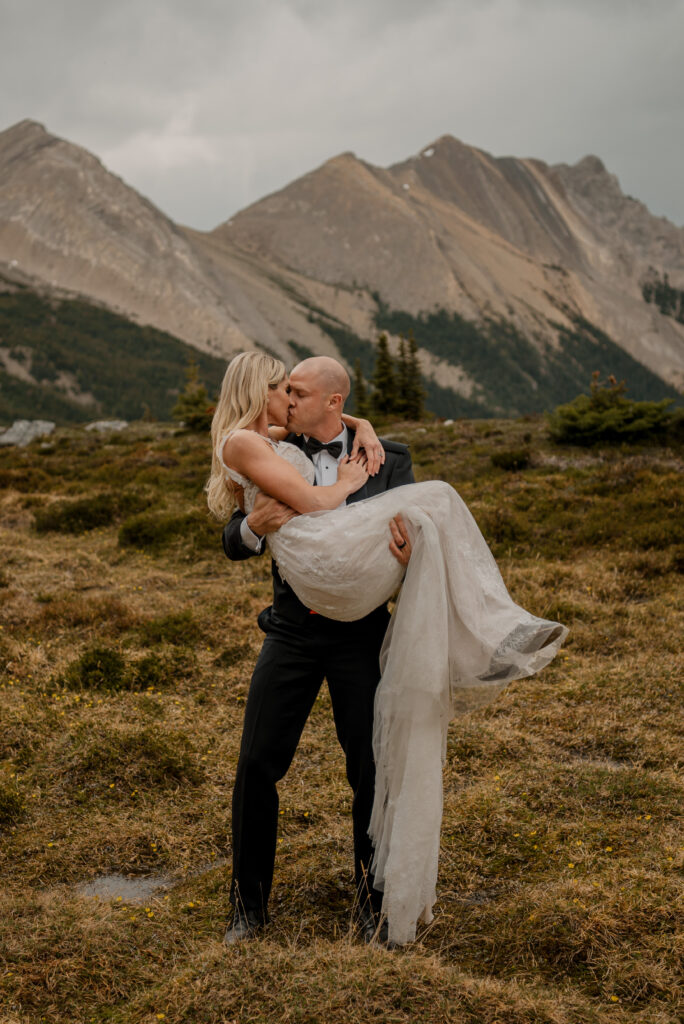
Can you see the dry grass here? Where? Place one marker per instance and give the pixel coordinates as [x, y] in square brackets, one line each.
[560, 877]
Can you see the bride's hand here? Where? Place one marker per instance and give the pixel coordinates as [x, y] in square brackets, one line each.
[365, 438]
[355, 474]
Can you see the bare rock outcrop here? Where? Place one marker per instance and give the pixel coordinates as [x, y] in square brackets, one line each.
[22, 432]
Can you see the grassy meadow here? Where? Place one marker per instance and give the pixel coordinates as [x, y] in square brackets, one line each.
[126, 647]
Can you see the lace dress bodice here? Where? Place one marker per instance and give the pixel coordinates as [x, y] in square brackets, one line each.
[290, 452]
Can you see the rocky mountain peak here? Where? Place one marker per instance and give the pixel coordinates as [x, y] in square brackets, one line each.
[590, 165]
[625, 223]
[22, 140]
[452, 229]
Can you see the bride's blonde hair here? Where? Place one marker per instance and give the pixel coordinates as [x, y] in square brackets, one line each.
[242, 400]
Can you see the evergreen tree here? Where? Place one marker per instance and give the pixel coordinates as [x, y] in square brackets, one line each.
[413, 391]
[361, 403]
[193, 407]
[607, 416]
[402, 377]
[384, 382]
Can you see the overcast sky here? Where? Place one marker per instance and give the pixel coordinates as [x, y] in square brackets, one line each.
[207, 105]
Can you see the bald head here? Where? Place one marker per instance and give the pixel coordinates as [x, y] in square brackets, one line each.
[318, 389]
[329, 375]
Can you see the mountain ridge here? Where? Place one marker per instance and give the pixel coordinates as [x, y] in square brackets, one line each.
[451, 228]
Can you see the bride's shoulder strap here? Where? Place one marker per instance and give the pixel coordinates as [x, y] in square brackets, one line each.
[238, 478]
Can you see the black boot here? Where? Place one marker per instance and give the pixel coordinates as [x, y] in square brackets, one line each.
[245, 925]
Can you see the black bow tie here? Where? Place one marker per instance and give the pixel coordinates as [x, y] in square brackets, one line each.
[312, 446]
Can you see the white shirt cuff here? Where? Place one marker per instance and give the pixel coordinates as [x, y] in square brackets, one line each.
[249, 538]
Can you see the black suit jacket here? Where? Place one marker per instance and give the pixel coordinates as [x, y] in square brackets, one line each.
[395, 471]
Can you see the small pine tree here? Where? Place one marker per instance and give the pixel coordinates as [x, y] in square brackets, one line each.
[607, 416]
[384, 382]
[414, 392]
[402, 377]
[193, 407]
[361, 403]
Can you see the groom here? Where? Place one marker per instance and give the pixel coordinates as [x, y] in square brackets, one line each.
[300, 650]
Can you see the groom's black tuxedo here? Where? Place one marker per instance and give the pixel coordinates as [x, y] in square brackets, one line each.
[395, 471]
[300, 650]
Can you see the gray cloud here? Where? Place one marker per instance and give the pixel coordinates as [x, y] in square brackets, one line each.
[207, 107]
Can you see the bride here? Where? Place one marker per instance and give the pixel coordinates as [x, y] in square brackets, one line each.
[456, 637]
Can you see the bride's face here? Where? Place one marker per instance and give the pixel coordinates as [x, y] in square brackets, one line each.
[277, 403]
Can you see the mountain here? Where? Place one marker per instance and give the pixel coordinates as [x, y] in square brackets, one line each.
[517, 278]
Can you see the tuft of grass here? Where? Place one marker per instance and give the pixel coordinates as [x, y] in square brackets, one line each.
[98, 668]
[12, 806]
[88, 513]
[151, 672]
[106, 669]
[147, 757]
[77, 612]
[233, 655]
[512, 459]
[176, 628]
[156, 531]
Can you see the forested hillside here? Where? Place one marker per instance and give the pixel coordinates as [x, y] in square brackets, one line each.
[70, 361]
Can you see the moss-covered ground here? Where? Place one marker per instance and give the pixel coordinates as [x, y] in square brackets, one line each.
[126, 646]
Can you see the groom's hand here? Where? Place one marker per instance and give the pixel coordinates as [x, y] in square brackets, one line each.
[268, 515]
[400, 545]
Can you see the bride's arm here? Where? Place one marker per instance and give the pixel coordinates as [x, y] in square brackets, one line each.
[366, 438]
[249, 454]
[278, 433]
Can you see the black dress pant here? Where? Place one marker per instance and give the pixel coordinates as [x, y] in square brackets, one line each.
[294, 660]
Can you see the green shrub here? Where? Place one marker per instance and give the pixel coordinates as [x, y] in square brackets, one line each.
[12, 808]
[503, 529]
[512, 459]
[89, 513]
[179, 628]
[151, 672]
[25, 480]
[98, 668]
[607, 416]
[142, 757]
[153, 531]
[101, 668]
[232, 656]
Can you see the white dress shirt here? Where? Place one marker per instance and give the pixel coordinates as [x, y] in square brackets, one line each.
[326, 474]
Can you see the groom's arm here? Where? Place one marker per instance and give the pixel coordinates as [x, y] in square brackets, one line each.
[400, 473]
[233, 543]
[243, 536]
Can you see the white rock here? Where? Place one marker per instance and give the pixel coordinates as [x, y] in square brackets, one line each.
[22, 432]
[448, 423]
[104, 426]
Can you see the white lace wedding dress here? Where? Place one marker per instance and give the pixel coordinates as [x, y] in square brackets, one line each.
[455, 640]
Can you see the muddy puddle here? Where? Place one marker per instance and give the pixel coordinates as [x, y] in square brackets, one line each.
[138, 888]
